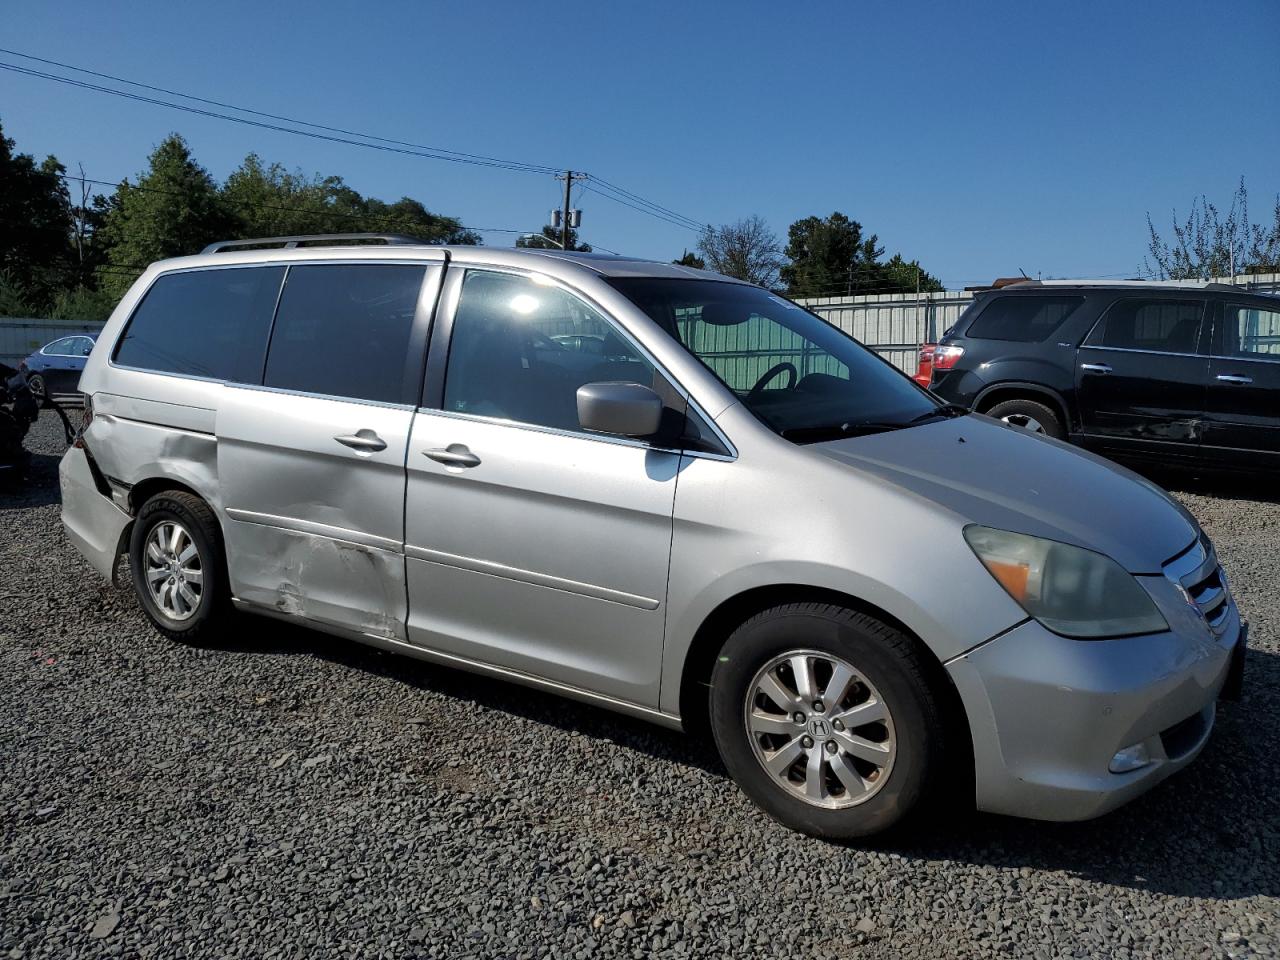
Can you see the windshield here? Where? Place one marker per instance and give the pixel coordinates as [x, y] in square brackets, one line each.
[798, 374]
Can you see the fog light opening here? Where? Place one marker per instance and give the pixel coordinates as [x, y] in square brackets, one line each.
[1130, 758]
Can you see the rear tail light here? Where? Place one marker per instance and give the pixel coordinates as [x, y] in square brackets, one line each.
[86, 418]
[924, 372]
[945, 356]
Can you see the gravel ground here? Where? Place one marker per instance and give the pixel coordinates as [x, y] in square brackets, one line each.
[283, 794]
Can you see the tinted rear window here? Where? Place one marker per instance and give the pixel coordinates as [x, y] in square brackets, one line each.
[205, 323]
[343, 330]
[1161, 326]
[1026, 319]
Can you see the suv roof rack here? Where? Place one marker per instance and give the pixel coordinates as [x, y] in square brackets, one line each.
[317, 239]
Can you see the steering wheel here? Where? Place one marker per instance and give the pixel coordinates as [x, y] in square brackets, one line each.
[769, 374]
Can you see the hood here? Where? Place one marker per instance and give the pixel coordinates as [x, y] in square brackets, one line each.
[1002, 476]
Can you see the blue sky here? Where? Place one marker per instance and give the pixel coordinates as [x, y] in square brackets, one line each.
[981, 138]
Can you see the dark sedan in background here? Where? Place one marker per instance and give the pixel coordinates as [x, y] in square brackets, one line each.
[1168, 372]
[54, 370]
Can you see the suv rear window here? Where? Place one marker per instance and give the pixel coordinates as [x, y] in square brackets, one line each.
[1022, 318]
[204, 323]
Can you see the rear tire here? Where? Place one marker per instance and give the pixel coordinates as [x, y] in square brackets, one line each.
[1030, 415]
[179, 566]
[863, 728]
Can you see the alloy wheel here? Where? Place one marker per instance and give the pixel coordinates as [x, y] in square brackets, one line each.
[174, 570]
[820, 729]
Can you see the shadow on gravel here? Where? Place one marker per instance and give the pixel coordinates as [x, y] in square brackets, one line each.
[263, 635]
[38, 489]
[1209, 831]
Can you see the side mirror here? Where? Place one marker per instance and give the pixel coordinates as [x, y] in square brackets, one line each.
[624, 409]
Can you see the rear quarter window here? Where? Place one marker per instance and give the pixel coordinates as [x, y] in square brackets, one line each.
[1023, 319]
[204, 323]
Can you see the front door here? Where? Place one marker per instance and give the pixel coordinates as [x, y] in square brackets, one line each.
[1140, 376]
[530, 544]
[1242, 423]
[311, 464]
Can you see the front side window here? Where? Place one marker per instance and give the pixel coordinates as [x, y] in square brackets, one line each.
[520, 350]
[343, 330]
[1253, 332]
[204, 323]
[798, 374]
[1160, 326]
[1027, 319]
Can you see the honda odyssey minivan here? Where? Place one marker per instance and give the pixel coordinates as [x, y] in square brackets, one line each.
[658, 490]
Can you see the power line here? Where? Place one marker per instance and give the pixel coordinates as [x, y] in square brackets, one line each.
[331, 133]
[532, 167]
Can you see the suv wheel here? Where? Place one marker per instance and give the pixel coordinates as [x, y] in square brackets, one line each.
[825, 719]
[1029, 415]
[178, 565]
[38, 390]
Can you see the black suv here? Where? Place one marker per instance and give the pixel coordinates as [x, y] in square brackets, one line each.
[1184, 373]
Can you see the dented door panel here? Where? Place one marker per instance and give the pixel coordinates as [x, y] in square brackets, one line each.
[314, 527]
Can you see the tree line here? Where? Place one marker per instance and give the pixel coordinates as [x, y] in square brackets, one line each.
[69, 252]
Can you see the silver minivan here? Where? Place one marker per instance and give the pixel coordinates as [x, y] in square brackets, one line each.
[662, 491]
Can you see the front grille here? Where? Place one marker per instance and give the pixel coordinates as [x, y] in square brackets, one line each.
[1196, 570]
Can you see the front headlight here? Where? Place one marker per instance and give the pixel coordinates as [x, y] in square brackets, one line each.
[1072, 591]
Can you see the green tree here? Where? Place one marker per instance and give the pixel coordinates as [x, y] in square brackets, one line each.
[827, 256]
[35, 222]
[549, 239]
[833, 257]
[269, 201]
[175, 209]
[907, 276]
[688, 259]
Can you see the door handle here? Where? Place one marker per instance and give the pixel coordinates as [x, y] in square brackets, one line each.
[454, 455]
[1095, 367]
[364, 441]
[1234, 378]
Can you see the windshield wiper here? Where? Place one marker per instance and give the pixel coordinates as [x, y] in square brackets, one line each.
[858, 428]
[834, 431]
[947, 410]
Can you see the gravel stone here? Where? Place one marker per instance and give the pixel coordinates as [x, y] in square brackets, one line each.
[457, 816]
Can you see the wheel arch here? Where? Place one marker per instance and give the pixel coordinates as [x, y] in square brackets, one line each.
[1021, 390]
[709, 639]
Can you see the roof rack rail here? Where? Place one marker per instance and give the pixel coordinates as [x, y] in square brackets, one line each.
[318, 239]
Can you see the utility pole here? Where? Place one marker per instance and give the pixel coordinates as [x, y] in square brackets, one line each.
[567, 218]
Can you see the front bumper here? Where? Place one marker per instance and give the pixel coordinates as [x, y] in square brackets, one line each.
[94, 524]
[1047, 714]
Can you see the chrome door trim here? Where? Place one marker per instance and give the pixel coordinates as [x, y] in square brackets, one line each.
[501, 570]
[1153, 353]
[390, 644]
[311, 528]
[1274, 358]
[1234, 378]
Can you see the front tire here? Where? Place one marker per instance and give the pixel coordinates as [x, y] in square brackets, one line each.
[178, 565]
[824, 717]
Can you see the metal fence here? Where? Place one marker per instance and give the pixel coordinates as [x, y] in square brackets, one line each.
[895, 324]
[22, 336]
